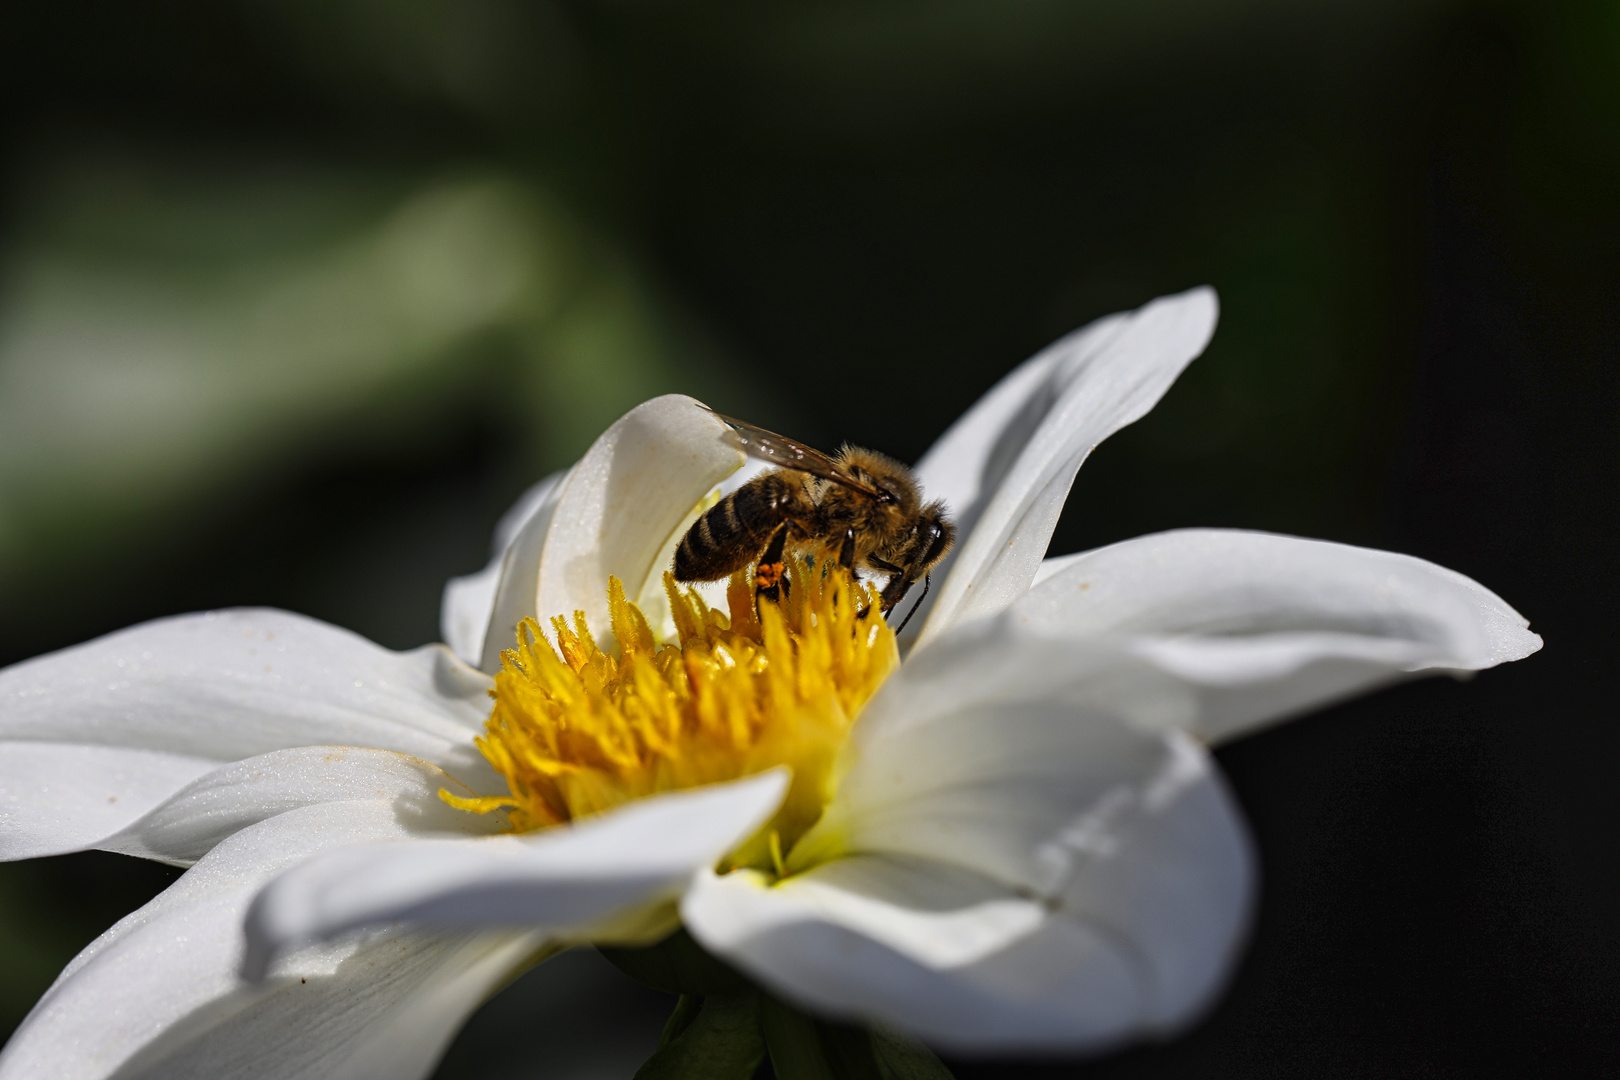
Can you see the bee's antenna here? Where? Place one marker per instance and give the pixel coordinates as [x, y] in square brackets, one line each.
[927, 580]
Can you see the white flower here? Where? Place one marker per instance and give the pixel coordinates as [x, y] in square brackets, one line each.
[1027, 846]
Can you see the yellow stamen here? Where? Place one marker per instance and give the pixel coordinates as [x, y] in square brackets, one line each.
[576, 730]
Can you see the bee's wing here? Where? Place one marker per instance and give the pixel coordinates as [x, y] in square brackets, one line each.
[791, 454]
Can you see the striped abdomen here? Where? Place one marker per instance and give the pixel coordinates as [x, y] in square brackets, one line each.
[731, 533]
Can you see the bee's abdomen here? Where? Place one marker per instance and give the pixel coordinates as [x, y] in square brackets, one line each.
[731, 533]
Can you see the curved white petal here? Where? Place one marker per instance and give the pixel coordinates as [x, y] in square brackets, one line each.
[1051, 567]
[1006, 466]
[229, 684]
[597, 876]
[469, 601]
[970, 460]
[465, 610]
[219, 687]
[512, 597]
[987, 748]
[386, 1012]
[61, 797]
[523, 510]
[1264, 626]
[1139, 944]
[165, 977]
[1057, 770]
[188, 824]
[619, 506]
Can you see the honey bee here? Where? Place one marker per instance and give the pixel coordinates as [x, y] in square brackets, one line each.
[859, 507]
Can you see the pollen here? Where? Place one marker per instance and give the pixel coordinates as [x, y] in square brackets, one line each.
[577, 730]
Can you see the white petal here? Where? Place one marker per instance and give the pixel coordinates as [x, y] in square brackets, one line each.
[1056, 770]
[1053, 566]
[188, 824]
[465, 610]
[61, 797]
[1006, 466]
[220, 687]
[387, 1012]
[597, 875]
[970, 460]
[166, 976]
[621, 503]
[939, 916]
[960, 961]
[1265, 626]
[521, 512]
[986, 749]
[902, 942]
[228, 684]
[521, 535]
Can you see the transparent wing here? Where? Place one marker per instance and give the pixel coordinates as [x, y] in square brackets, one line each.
[791, 454]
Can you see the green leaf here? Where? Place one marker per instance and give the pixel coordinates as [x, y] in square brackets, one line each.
[677, 965]
[722, 1042]
[794, 1043]
[850, 1050]
[686, 1010]
[802, 1048]
[901, 1058]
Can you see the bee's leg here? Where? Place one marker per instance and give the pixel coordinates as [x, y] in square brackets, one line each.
[846, 553]
[928, 579]
[895, 590]
[770, 576]
[886, 567]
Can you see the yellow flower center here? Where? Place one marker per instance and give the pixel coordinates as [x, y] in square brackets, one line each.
[576, 730]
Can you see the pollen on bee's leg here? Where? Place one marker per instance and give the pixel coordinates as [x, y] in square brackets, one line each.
[769, 579]
[770, 584]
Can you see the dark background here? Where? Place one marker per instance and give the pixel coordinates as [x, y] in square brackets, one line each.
[844, 221]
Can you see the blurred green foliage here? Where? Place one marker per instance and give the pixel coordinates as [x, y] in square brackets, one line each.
[295, 296]
[167, 326]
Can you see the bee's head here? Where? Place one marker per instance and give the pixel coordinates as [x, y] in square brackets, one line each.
[935, 535]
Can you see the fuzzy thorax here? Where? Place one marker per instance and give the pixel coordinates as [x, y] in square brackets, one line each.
[576, 730]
